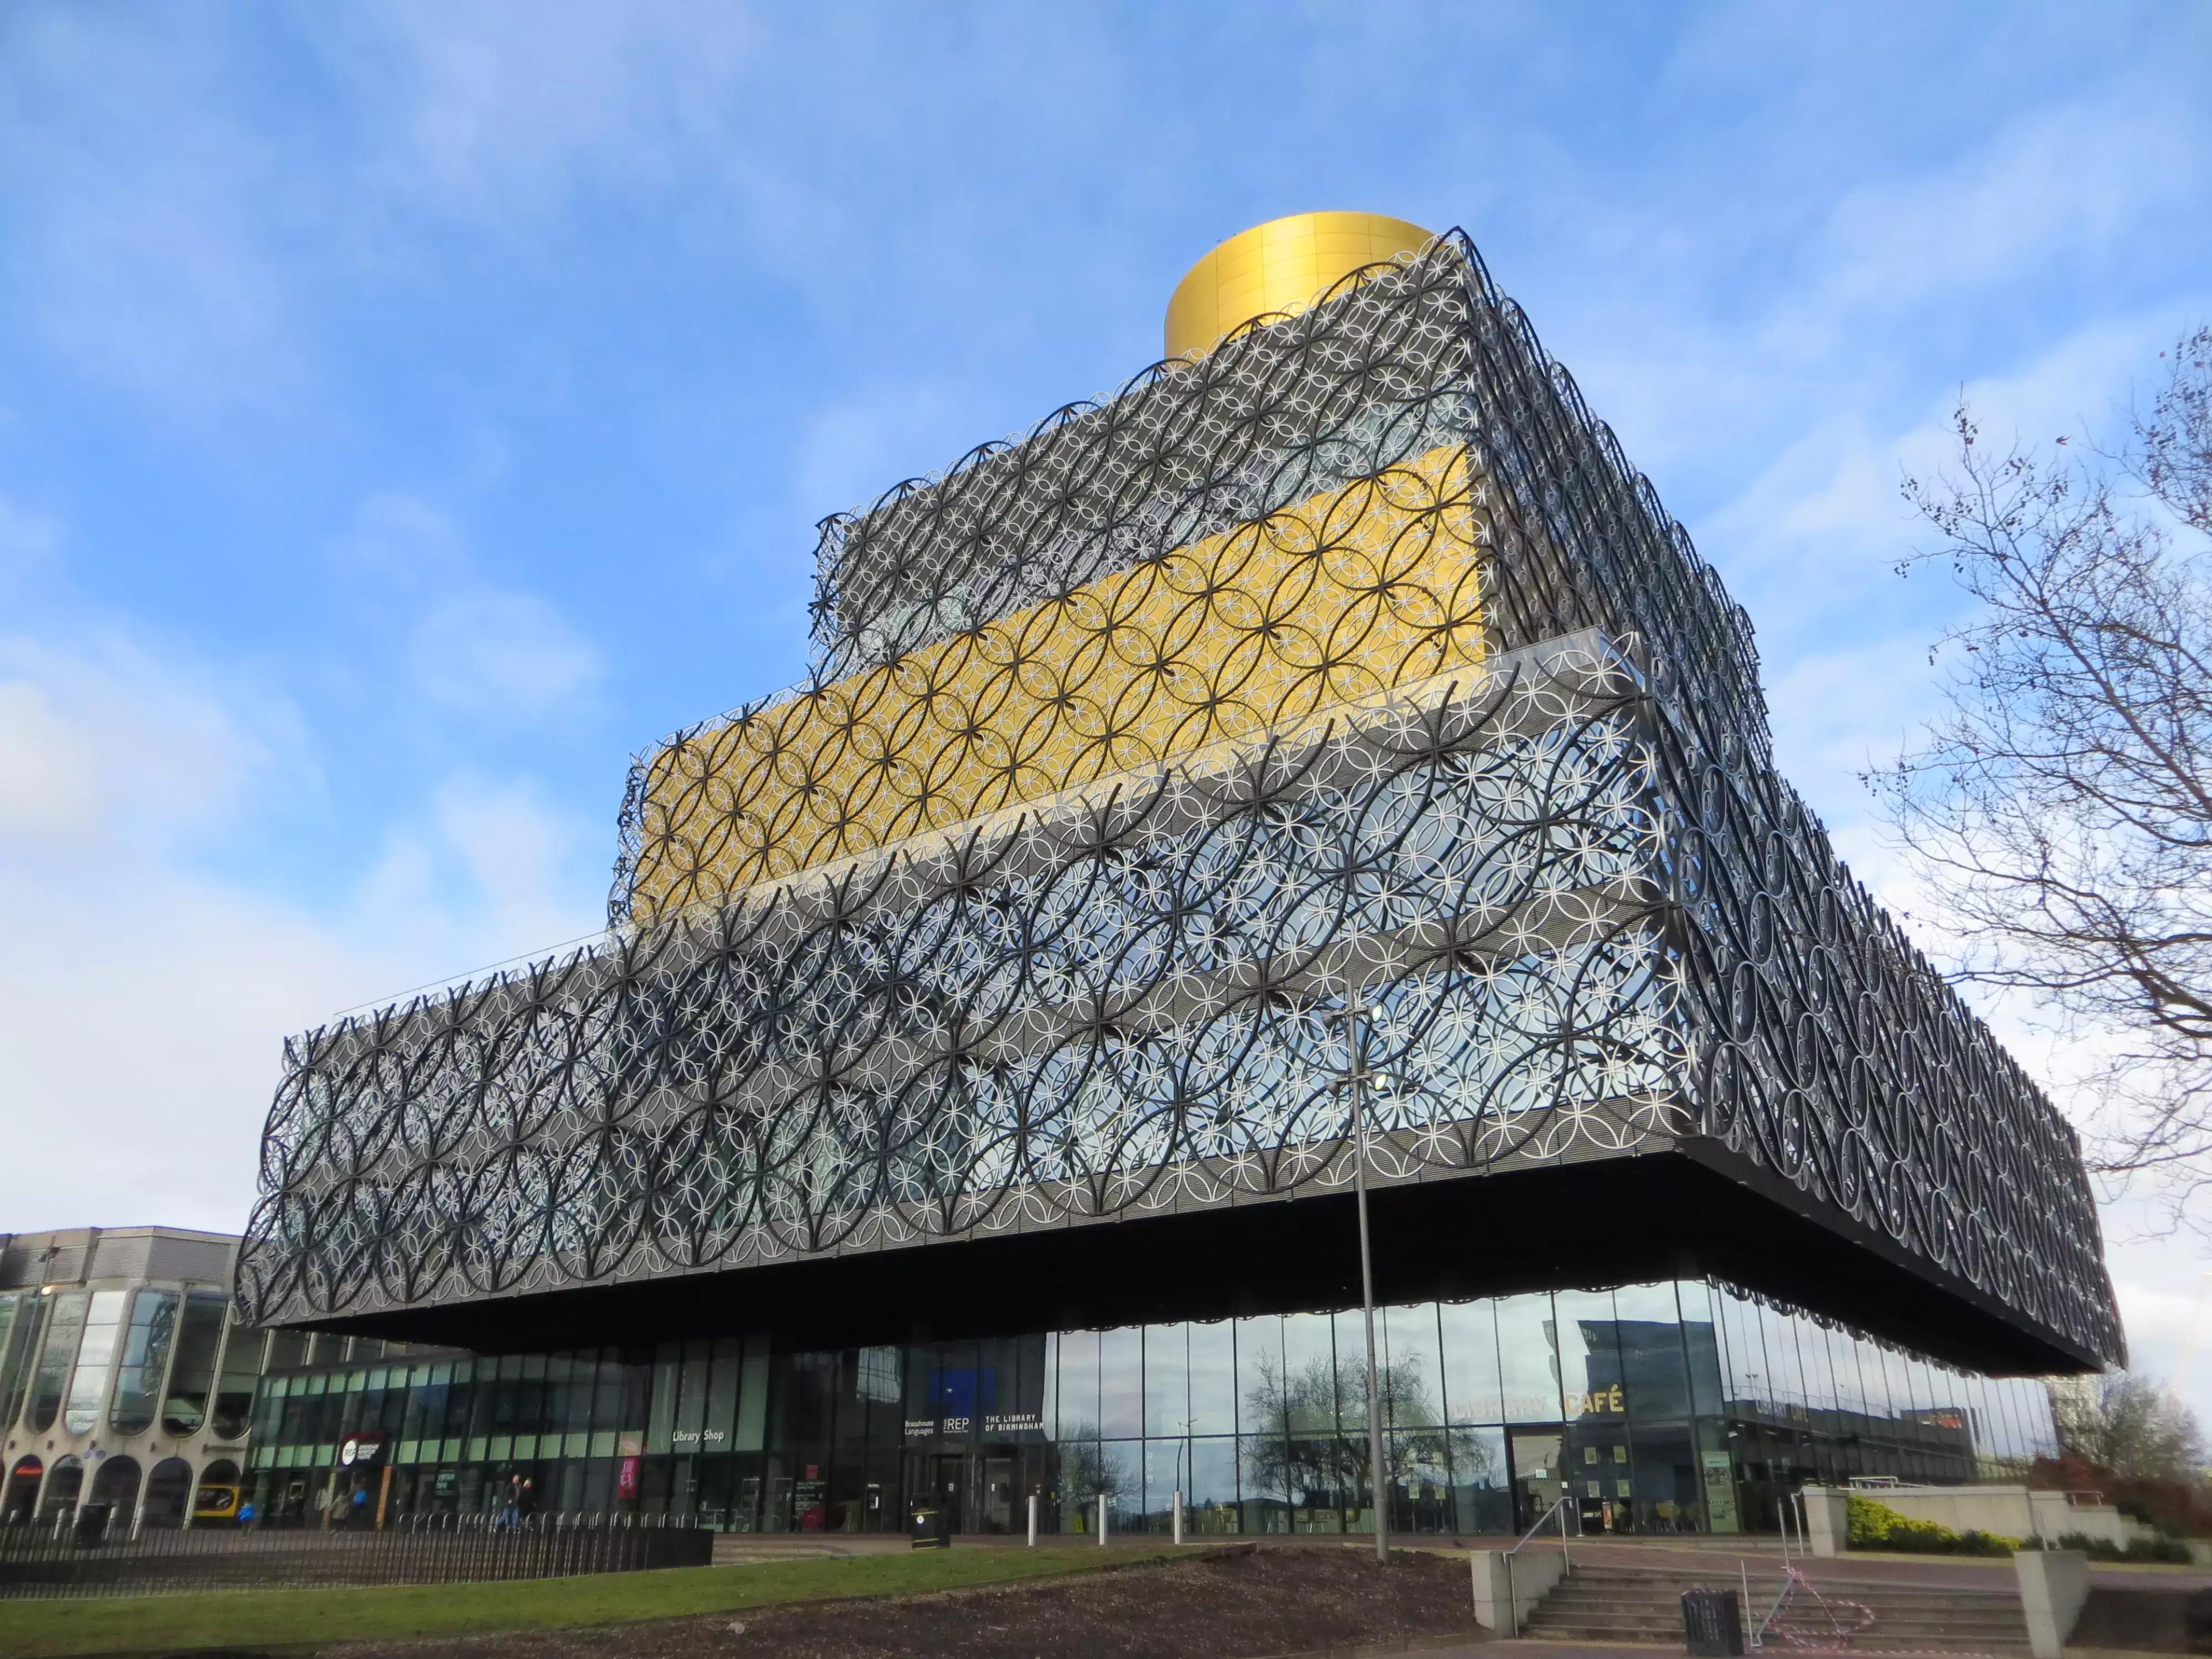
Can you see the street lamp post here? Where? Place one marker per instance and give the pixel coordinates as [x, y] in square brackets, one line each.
[1355, 1077]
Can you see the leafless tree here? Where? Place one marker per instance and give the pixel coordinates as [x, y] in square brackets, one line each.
[2061, 809]
[2132, 1425]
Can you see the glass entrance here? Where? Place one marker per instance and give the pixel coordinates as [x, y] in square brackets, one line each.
[1538, 1480]
[1003, 1511]
[949, 1490]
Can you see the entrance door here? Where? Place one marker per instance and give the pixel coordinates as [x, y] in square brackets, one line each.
[999, 1501]
[1538, 1480]
[949, 1491]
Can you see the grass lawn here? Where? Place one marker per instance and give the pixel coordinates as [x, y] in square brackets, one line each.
[145, 1624]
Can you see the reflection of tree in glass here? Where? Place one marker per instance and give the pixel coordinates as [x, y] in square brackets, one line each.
[1085, 1469]
[1303, 1458]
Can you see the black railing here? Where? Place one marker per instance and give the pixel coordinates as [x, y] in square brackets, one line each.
[44, 1561]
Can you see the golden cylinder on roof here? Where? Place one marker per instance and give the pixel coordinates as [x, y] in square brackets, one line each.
[1284, 265]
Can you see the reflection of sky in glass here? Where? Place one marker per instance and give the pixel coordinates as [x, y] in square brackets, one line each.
[1213, 1379]
[1167, 1379]
[1527, 1365]
[1079, 1384]
[1470, 1357]
[1122, 1382]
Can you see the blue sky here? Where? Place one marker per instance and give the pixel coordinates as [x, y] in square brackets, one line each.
[408, 412]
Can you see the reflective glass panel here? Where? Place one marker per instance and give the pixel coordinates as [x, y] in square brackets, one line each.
[1527, 1361]
[1078, 1388]
[1470, 1361]
[191, 1372]
[1213, 1379]
[1121, 1382]
[95, 1361]
[1412, 1384]
[1653, 1365]
[1306, 1393]
[65, 1325]
[240, 1376]
[1167, 1380]
[147, 1341]
[20, 1315]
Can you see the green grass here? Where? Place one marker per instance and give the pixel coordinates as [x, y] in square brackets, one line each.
[255, 1619]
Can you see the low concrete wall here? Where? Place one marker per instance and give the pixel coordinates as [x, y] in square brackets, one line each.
[2053, 1585]
[1505, 1593]
[1827, 1521]
[2009, 1512]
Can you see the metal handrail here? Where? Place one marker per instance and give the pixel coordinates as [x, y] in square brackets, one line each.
[1512, 1595]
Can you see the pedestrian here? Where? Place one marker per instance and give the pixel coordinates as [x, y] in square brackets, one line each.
[361, 1506]
[245, 1513]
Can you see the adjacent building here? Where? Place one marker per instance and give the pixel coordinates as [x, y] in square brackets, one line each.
[1323, 760]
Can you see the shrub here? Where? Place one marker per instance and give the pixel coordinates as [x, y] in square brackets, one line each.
[2137, 1549]
[1870, 1525]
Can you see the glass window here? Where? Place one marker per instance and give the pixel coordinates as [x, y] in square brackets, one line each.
[1652, 1363]
[1167, 1380]
[240, 1374]
[1122, 1383]
[1469, 1331]
[1210, 1500]
[1214, 1382]
[95, 1362]
[19, 1330]
[1077, 1388]
[286, 1350]
[1590, 1354]
[192, 1373]
[65, 1325]
[1263, 1478]
[1527, 1358]
[1701, 1338]
[1306, 1389]
[146, 1344]
[1412, 1384]
[1482, 1499]
[1259, 1375]
[1351, 1340]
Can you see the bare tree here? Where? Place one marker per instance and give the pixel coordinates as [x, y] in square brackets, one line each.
[2130, 1424]
[2060, 810]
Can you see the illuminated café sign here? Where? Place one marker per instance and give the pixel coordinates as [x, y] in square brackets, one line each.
[1597, 1399]
[360, 1451]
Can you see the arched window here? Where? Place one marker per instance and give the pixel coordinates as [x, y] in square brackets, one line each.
[199, 1335]
[218, 1494]
[64, 1324]
[146, 1344]
[116, 1481]
[63, 1484]
[168, 1489]
[19, 1499]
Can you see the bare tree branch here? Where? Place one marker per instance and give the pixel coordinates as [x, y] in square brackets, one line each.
[2061, 809]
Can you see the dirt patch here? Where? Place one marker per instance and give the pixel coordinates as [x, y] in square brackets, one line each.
[1228, 1604]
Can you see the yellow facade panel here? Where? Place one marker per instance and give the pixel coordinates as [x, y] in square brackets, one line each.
[1259, 630]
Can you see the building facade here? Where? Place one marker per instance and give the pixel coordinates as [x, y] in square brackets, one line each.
[1321, 761]
[123, 1378]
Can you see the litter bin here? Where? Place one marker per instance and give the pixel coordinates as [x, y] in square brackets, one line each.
[929, 1530]
[92, 1525]
[1712, 1623]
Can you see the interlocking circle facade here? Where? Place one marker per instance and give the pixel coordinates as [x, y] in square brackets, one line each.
[1350, 663]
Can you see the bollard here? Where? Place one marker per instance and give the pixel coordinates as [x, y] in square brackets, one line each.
[1178, 1516]
[1102, 1520]
[1033, 1520]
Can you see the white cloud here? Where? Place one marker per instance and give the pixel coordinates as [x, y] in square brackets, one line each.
[502, 656]
[143, 999]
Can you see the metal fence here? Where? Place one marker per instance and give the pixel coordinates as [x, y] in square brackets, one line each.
[37, 1561]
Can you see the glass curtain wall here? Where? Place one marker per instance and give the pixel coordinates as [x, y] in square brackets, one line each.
[1665, 1407]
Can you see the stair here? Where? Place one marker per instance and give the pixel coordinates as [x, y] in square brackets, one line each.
[1609, 1603]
